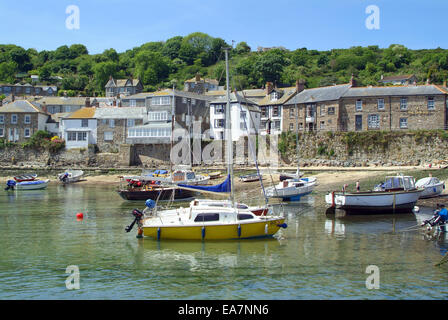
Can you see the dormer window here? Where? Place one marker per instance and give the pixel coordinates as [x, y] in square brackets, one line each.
[274, 96]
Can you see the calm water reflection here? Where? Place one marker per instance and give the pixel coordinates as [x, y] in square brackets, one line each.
[316, 257]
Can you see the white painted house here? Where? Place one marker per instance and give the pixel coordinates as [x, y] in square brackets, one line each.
[244, 113]
[79, 129]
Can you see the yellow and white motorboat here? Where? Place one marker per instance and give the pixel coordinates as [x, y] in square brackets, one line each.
[209, 222]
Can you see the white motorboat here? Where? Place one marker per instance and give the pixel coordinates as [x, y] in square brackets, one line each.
[432, 187]
[288, 175]
[27, 185]
[70, 176]
[292, 189]
[250, 177]
[397, 195]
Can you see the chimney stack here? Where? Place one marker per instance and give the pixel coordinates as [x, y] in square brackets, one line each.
[353, 81]
[87, 103]
[44, 107]
[269, 87]
[300, 85]
[114, 103]
[198, 77]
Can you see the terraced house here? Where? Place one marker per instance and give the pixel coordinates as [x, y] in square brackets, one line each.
[126, 87]
[20, 119]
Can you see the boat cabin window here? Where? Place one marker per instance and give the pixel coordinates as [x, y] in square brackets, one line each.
[242, 206]
[245, 216]
[393, 183]
[190, 175]
[202, 217]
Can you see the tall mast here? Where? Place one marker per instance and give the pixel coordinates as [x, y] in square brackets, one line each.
[297, 138]
[229, 132]
[173, 112]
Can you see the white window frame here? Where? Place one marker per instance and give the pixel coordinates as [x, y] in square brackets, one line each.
[27, 116]
[29, 132]
[431, 103]
[108, 136]
[111, 123]
[14, 116]
[133, 103]
[373, 123]
[158, 116]
[381, 104]
[84, 122]
[161, 101]
[401, 123]
[2, 132]
[358, 105]
[403, 103]
[130, 123]
[217, 121]
[2, 119]
[220, 108]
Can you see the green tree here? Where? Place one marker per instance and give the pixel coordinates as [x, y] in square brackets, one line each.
[8, 71]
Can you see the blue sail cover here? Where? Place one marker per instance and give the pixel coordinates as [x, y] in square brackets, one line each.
[223, 187]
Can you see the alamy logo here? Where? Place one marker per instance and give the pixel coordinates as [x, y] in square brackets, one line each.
[373, 280]
[72, 281]
[373, 20]
[73, 20]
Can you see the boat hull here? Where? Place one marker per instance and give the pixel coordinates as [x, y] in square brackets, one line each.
[432, 191]
[215, 232]
[31, 185]
[166, 194]
[374, 202]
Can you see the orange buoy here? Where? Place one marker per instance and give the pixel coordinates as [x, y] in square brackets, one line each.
[79, 215]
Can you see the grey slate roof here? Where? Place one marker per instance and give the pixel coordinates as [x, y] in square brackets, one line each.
[393, 91]
[20, 106]
[320, 94]
[121, 113]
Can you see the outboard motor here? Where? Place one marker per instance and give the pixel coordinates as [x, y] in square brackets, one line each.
[64, 177]
[138, 215]
[10, 184]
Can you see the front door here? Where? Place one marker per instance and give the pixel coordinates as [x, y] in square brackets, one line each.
[358, 122]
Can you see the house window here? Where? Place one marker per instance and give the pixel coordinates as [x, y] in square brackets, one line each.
[158, 116]
[264, 112]
[132, 103]
[403, 123]
[14, 119]
[263, 125]
[184, 100]
[27, 119]
[108, 136]
[291, 113]
[322, 125]
[2, 119]
[381, 104]
[330, 110]
[84, 123]
[373, 121]
[291, 126]
[431, 105]
[82, 136]
[403, 103]
[243, 115]
[27, 132]
[359, 105]
[193, 102]
[277, 125]
[71, 136]
[131, 123]
[111, 123]
[276, 111]
[160, 101]
[322, 110]
[243, 125]
[301, 126]
[220, 123]
[2, 132]
[219, 109]
[274, 96]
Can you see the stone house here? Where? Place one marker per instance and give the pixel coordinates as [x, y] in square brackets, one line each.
[27, 89]
[20, 119]
[200, 85]
[113, 125]
[315, 109]
[399, 80]
[136, 100]
[393, 108]
[271, 107]
[125, 87]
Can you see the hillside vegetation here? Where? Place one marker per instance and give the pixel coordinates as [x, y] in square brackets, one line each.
[157, 64]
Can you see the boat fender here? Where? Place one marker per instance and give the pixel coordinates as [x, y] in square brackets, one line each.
[203, 233]
[266, 228]
[151, 204]
[159, 232]
[283, 225]
[239, 231]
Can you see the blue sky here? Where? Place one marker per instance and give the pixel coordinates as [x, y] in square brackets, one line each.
[314, 24]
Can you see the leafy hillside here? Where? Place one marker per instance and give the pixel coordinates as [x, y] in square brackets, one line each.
[180, 58]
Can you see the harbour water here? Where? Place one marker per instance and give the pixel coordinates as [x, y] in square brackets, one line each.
[316, 257]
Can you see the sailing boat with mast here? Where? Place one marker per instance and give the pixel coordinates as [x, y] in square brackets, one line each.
[295, 187]
[218, 220]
